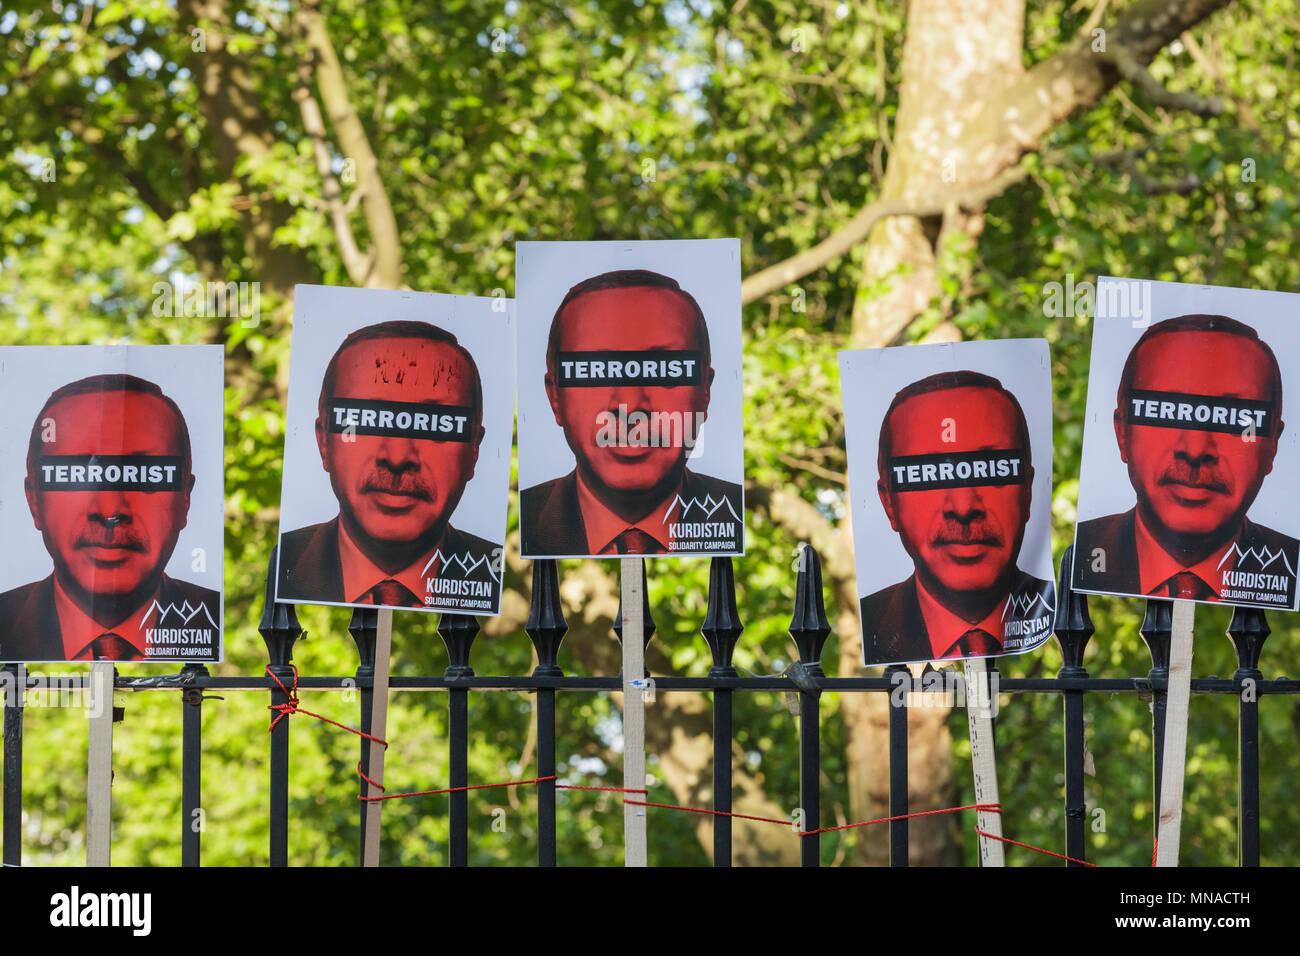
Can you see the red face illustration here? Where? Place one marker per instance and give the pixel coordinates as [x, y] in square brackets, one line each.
[110, 546]
[639, 319]
[396, 494]
[959, 539]
[1193, 487]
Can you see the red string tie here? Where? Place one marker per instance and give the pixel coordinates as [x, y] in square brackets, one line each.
[293, 706]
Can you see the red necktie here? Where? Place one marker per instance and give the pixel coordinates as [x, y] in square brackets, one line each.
[636, 541]
[978, 643]
[112, 647]
[392, 593]
[1187, 586]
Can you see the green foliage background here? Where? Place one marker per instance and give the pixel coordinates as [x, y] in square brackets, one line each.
[623, 119]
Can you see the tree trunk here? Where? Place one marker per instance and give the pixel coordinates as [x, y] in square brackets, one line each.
[955, 56]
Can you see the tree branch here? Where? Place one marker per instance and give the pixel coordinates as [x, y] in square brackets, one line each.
[359, 265]
[323, 66]
[856, 229]
[1014, 122]
[1130, 69]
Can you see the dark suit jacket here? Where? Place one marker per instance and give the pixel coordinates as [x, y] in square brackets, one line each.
[893, 629]
[550, 518]
[1116, 535]
[29, 621]
[311, 570]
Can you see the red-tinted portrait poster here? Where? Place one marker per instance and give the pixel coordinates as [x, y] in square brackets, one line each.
[950, 486]
[630, 421]
[111, 503]
[397, 452]
[1188, 482]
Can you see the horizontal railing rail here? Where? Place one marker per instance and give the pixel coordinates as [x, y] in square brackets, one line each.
[721, 629]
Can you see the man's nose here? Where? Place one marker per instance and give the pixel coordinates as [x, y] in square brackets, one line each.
[1197, 447]
[109, 506]
[633, 397]
[963, 504]
[397, 454]
[110, 517]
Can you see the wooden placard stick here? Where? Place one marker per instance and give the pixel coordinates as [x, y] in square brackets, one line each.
[99, 769]
[633, 640]
[1177, 698]
[979, 712]
[378, 728]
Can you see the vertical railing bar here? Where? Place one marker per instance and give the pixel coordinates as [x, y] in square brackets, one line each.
[1073, 628]
[901, 679]
[279, 793]
[1157, 630]
[458, 632]
[809, 628]
[1248, 794]
[191, 767]
[810, 774]
[458, 740]
[13, 765]
[1076, 810]
[546, 768]
[722, 736]
[364, 628]
[546, 628]
[279, 629]
[722, 628]
[1248, 630]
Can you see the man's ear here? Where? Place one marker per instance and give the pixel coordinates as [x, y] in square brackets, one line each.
[322, 444]
[1121, 436]
[30, 492]
[553, 396]
[887, 502]
[1272, 447]
[473, 460]
[708, 393]
[188, 491]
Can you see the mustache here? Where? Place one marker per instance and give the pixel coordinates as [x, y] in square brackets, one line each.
[404, 483]
[117, 537]
[977, 532]
[1195, 476]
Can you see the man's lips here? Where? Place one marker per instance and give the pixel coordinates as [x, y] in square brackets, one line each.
[109, 555]
[395, 491]
[966, 552]
[109, 547]
[395, 501]
[1192, 494]
[630, 452]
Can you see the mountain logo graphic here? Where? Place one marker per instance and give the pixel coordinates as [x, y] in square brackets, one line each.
[185, 613]
[467, 564]
[1263, 557]
[1022, 604]
[709, 506]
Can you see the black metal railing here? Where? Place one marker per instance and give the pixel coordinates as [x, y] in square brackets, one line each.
[721, 629]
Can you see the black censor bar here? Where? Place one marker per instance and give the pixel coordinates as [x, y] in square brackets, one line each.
[661, 368]
[1206, 413]
[109, 472]
[958, 469]
[428, 421]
